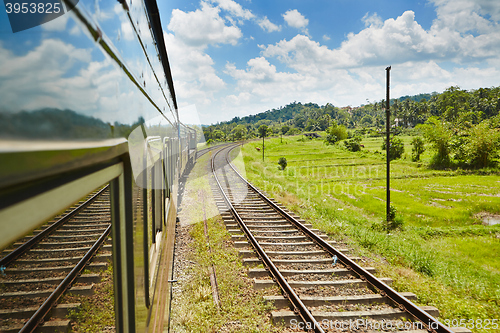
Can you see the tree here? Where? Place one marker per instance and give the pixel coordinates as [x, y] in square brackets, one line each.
[299, 121]
[335, 133]
[440, 135]
[282, 163]
[452, 102]
[218, 135]
[483, 145]
[353, 144]
[263, 130]
[285, 129]
[263, 133]
[418, 148]
[396, 148]
[239, 132]
[367, 120]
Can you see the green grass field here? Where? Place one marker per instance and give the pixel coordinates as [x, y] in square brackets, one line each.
[444, 253]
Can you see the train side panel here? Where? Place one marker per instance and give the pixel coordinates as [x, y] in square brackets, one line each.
[97, 73]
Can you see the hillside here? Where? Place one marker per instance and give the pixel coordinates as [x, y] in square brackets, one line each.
[407, 112]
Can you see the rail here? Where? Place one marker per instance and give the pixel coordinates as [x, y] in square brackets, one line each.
[302, 310]
[40, 179]
[431, 323]
[44, 309]
[5, 261]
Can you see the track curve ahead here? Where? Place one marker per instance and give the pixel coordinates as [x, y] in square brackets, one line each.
[323, 287]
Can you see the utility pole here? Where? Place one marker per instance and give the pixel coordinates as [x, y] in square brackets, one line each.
[387, 143]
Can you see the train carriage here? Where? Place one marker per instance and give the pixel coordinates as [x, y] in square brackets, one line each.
[88, 100]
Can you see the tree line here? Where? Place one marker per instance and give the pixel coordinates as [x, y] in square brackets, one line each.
[462, 126]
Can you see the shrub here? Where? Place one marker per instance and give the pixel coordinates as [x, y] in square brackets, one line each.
[418, 148]
[282, 163]
[293, 131]
[353, 144]
[335, 133]
[482, 145]
[392, 213]
[397, 148]
[394, 222]
[440, 135]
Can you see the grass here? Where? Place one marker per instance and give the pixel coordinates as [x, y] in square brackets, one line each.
[443, 253]
[242, 308]
[96, 313]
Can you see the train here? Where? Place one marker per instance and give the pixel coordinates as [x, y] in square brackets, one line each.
[88, 99]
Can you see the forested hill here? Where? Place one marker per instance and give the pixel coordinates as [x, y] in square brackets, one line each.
[288, 112]
[282, 114]
[453, 104]
[418, 98]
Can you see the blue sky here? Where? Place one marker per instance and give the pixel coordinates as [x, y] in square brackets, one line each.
[238, 57]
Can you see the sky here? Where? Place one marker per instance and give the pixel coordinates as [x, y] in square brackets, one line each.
[238, 57]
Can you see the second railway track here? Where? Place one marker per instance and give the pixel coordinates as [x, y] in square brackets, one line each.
[322, 288]
[38, 269]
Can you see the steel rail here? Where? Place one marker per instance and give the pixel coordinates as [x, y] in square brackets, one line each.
[297, 303]
[203, 151]
[430, 323]
[9, 258]
[44, 309]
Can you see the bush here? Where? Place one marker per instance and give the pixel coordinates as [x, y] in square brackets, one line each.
[293, 131]
[418, 148]
[282, 163]
[394, 222]
[353, 144]
[440, 135]
[335, 133]
[482, 145]
[397, 148]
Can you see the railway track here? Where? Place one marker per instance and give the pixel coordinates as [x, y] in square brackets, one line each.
[38, 269]
[323, 289]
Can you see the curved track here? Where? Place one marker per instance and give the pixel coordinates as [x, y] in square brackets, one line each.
[36, 272]
[325, 289]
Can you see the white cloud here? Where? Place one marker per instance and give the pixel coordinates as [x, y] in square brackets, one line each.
[354, 72]
[466, 15]
[381, 43]
[295, 19]
[59, 75]
[196, 80]
[126, 31]
[372, 20]
[75, 30]
[203, 27]
[259, 76]
[57, 24]
[267, 25]
[307, 56]
[235, 9]
[465, 33]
